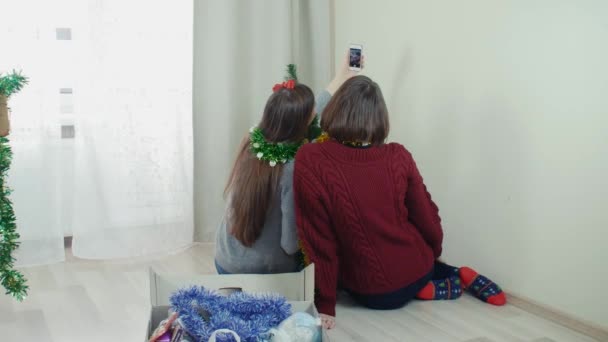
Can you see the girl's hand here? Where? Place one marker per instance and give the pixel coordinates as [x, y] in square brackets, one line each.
[328, 322]
[343, 74]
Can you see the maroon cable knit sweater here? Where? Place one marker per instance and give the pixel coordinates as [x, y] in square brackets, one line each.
[365, 219]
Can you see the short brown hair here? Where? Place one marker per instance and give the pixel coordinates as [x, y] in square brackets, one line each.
[357, 112]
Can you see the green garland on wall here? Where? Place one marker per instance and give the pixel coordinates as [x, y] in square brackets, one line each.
[11, 279]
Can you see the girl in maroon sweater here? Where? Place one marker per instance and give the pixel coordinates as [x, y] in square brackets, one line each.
[365, 217]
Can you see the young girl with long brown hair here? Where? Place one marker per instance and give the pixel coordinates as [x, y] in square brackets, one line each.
[258, 232]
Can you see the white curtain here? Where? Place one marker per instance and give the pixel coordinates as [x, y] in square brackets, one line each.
[134, 189]
[241, 48]
[102, 136]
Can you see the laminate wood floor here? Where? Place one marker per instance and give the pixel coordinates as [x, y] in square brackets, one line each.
[83, 300]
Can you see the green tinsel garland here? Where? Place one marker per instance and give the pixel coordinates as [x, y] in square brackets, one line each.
[11, 280]
[12, 83]
[273, 153]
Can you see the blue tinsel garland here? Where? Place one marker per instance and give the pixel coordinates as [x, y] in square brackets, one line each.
[250, 316]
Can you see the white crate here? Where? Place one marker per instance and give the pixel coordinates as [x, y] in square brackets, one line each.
[297, 288]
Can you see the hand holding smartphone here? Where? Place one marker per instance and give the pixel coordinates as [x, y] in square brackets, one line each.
[355, 56]
[350, 66]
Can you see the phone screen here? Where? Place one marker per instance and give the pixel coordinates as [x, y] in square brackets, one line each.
[355, 58]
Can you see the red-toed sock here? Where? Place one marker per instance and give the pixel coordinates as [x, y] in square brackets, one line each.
[448, 288]
[482, 287]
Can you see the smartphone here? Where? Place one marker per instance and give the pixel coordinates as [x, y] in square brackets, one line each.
[354, 61]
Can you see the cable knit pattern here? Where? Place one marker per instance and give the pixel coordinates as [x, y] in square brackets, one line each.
[399, 170]
[354, 223]
[333, 179]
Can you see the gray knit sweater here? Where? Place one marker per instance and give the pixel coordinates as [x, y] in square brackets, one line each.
[275, 249]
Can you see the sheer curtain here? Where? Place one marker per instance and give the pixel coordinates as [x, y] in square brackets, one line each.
[39, 167]
[241, 49]
[134, 165]
[102, 136]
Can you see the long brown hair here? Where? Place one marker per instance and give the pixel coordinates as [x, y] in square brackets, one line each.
[357, 113]
[253, 183]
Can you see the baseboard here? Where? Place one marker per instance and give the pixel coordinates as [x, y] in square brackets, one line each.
[559, 317]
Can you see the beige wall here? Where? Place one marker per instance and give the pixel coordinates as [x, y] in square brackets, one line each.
[504, 104]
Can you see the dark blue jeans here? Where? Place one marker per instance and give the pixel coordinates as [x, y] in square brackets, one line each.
[399, 298]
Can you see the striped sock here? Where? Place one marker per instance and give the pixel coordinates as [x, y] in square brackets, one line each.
[448, 288]
[482, 287]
